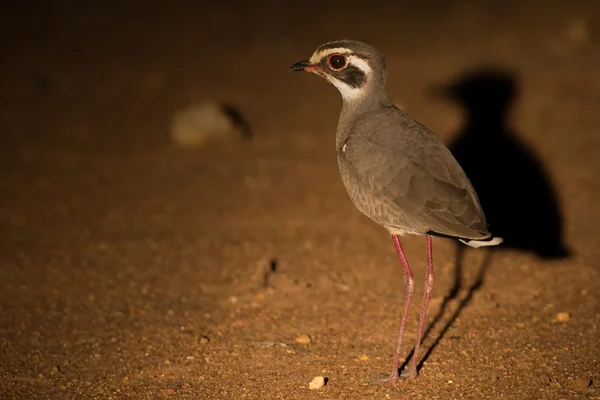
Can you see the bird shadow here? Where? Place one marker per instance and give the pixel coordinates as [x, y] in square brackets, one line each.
[453, 293]
[514, 189]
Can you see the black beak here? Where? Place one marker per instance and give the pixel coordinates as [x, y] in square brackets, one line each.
[300, 66]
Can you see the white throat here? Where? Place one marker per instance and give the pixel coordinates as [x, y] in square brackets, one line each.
[348, 92]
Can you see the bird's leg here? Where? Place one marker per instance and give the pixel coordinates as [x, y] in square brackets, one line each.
[412, 372]
[409, 283]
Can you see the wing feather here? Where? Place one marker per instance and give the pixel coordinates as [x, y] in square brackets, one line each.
[404, 164]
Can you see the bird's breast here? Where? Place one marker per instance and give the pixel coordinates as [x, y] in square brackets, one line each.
[359, 191]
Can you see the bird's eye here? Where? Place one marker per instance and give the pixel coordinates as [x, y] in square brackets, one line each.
[337, 61]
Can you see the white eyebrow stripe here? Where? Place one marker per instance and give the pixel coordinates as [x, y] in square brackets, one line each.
[360, 64]
[317, 57]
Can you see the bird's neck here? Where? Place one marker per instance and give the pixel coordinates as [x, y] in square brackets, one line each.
[354, 108]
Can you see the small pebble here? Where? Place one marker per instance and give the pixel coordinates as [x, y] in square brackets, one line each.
[303, 339]
[233, 299]
[363, 357]
[562, 317]
[260, 296]
[344, 288]
[581, 384]
[317, 383]
[204, 340]
[55, 370]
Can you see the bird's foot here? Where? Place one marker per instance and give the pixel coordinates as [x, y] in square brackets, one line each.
[395, 377]
[385, 378]
[408, 374]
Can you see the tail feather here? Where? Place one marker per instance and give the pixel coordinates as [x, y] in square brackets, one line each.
[491, 241]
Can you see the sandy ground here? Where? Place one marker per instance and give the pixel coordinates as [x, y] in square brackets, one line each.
[130, 268]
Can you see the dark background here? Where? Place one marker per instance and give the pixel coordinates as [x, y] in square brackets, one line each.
[131, 268]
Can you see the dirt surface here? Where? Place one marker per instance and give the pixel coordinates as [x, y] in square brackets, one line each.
[130, 268]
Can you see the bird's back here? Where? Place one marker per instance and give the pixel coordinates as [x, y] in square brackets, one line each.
[401, 175]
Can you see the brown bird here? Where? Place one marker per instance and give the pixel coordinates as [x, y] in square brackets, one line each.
[395, 170]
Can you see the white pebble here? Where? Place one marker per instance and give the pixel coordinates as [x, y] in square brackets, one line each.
[317, 383]
[562, 317]
[303, 339]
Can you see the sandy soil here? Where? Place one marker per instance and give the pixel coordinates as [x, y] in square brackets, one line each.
[130, 268]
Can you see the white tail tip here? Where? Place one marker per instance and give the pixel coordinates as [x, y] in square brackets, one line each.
[483, 243]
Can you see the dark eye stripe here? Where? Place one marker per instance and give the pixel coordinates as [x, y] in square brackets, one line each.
[352, 76]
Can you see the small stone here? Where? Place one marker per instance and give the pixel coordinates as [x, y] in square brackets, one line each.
[344, 288]
[126, 380]
[317, 383]
[203, 340]
[562, 317]
[260, 296]
[363, 357]
[233, 299]
[55, 370]
[581, 384]
[303, 339]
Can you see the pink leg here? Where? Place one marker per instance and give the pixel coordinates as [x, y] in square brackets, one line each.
[409, 282]
[412, 372]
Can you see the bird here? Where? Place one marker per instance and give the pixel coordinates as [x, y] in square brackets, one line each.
[395, 170]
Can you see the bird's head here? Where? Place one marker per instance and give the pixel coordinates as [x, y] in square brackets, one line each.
[356, 69]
